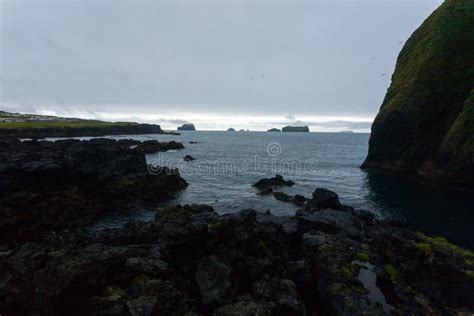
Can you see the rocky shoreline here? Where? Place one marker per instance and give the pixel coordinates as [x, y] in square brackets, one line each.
[327, 259]
[68, 183]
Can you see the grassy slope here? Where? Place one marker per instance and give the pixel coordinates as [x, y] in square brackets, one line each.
[432, 81]
[60, 124]
[69, 127]
[455, 156]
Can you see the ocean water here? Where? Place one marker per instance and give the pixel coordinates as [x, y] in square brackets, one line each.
[227, 163]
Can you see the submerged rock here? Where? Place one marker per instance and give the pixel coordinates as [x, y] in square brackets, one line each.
[153, 146]
[298, 200]
[281, 196]
[188, 158]
[265, 186]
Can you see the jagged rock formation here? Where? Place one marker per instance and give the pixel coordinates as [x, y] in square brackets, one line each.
[425, 127]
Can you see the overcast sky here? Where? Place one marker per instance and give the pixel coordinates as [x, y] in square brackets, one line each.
[252, 64]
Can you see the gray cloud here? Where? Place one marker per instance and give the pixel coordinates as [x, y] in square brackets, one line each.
[304, 57]
[290, 117]
[337, 124]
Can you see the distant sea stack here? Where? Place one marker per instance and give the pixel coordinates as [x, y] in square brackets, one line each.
[187, 127]
[304, 129]
[274, 130]
[425, 127]
[230, 129]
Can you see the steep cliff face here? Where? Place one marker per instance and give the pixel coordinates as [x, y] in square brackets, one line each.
[425, 126]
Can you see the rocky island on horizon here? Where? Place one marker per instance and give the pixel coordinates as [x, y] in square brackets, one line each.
[186, 127]
[304, 129]
[274, 130]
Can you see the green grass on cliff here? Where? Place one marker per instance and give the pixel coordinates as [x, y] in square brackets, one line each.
[426, 123]
[60, 124]
[437, 59]
[461, 134]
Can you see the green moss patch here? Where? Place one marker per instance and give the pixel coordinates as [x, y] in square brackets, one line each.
[428, 244]
[60, 124]
[350, 270]
[362, 256]
[470, 274]
[392, 272]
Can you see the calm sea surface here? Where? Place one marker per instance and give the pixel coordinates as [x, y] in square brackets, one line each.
[227, 163]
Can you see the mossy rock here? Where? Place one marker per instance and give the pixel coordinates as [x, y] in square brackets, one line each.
[392, 272]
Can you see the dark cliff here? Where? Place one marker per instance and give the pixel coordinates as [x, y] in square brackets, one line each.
[79, 131]
[425, 127]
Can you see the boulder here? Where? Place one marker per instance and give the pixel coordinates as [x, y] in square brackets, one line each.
[266, 185]
[213, 279]
[323, 199]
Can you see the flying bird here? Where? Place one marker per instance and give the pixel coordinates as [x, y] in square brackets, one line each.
[400, 42]
[382, 75]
